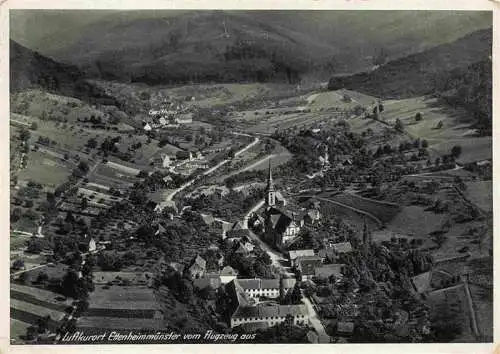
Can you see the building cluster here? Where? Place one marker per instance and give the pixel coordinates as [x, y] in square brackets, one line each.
[172, 115]
[249, 311]
[321, 264]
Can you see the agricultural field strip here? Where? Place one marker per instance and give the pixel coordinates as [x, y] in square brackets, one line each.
[358, 211]
[381, 211]
[123, 168]
[118, 323]
[97, 194]
[36, 301]
[37, 310]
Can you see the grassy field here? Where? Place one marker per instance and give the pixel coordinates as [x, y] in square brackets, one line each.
[99, 324]
[415, 221]
[121, 307]
[357, 220]
[38, 103]
[17, 330]
[456, 126]
[135, 295]
[383, 211]
[481, 194]
[45, 170]
[456, 299]
[31, 311]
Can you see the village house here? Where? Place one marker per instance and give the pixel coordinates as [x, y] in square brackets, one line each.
[198, 268]
[332, 251]
[228, 274]
[213, 281]
[312, 216]
[327, 270]
[345, 329]
[292, 255]
[306, 266]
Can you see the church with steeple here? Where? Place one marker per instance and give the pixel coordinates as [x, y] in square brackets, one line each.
[282, 221]
[273, 197]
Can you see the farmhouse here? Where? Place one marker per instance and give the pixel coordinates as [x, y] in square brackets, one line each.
[307, 266]
[198, 267]
[228, 274]
[332, 251]
[209, 280]
[327, 270]
[292, 255]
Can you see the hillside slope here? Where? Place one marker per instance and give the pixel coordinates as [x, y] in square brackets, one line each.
[204, 46]
[29, 69]
[416, 75]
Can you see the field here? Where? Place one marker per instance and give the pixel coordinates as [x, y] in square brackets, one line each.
[17, 330]
[481, 194]
[122, 307]
[456, 299]
[385, 212]
[330, 209]
[27, 304]
[44, 169]
[456, 127]
[415, 221]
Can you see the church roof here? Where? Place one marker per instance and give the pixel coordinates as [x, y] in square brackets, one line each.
[281, 218]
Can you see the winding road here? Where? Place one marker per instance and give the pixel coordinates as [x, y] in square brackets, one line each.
[171, 196]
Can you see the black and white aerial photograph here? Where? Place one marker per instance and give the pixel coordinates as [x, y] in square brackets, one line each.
[250, 176]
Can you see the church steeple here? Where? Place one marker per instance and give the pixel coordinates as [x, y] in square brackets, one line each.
[271, 193]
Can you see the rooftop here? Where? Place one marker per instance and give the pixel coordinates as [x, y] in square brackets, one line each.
[257, 283]
[328, 270]
[270, 311]
[300, 253]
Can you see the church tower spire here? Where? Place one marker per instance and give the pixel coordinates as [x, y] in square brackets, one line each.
[270, 191]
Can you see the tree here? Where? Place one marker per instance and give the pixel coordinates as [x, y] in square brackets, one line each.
[186, 291]
[84, 203]
[296, 294]
[71, 285]
[34, 126]
[425, 144]
[42, 278]
[24, 134]
[15, 215]
[439, 125]
[83, 166]
[18, 264]
[92, 143]
[456, 151]
[399, 125]
[418, 117]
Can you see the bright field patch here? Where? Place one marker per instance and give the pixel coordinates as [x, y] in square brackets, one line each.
[415, 221]
[481, 194]
[455, 130]
[44, 170]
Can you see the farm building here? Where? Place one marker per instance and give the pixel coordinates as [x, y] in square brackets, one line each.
[307, 265]
[327, 270]
[292, 255]
[198, 267]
